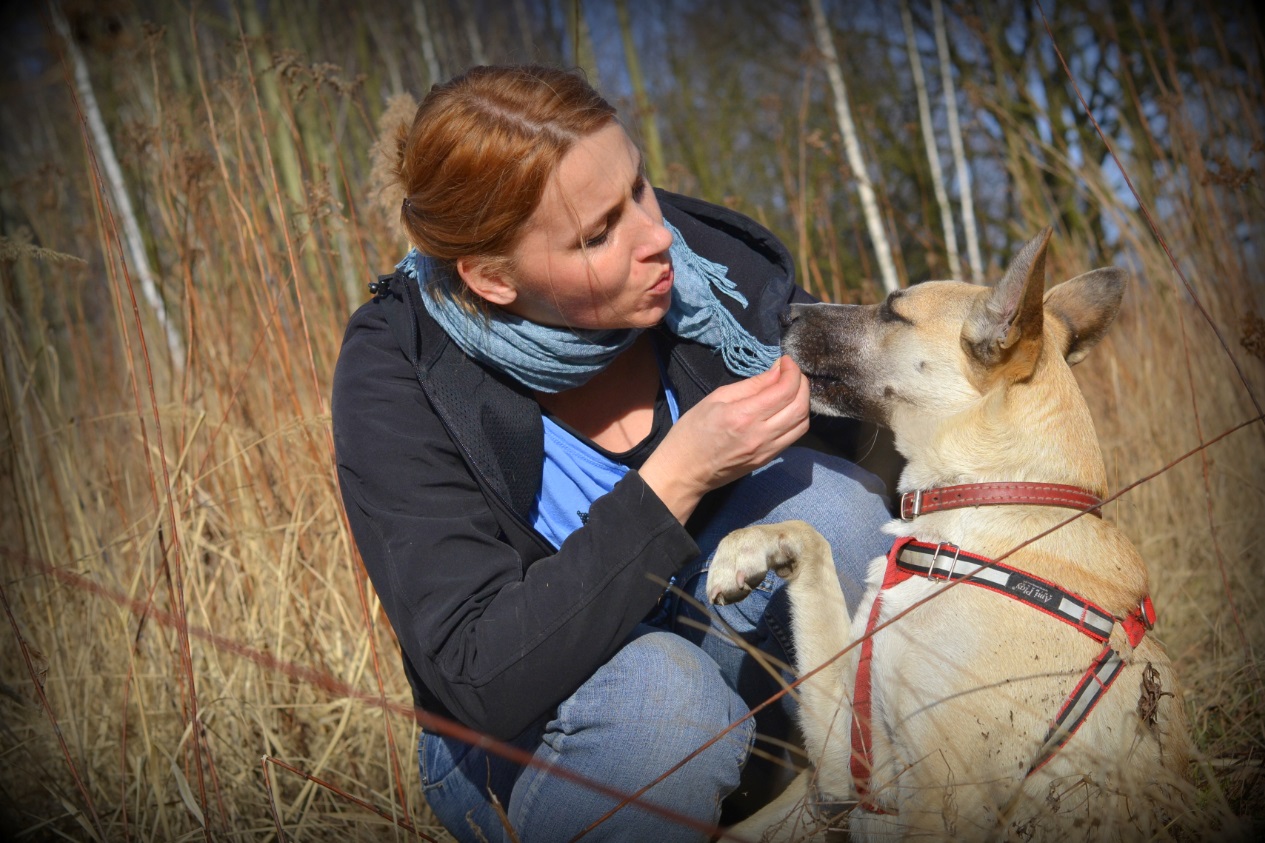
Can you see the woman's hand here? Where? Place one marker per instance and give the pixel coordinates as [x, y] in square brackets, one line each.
[733, 431]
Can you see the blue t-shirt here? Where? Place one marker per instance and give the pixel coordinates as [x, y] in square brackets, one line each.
[574, 475]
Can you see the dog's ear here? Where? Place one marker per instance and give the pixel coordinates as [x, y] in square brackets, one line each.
[1005, 325]
[1087, 304]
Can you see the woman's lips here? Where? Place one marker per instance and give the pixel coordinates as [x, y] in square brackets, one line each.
[664, 284]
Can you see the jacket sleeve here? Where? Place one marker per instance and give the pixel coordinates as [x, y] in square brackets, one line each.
[497, 642]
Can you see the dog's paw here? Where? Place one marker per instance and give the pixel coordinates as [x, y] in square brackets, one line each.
[744, 557]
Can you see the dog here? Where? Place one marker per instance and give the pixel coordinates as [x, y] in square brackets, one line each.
[998, 680]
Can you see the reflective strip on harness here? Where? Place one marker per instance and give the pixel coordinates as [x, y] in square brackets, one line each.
[947, 562]
[1079, 703]
[909, 557]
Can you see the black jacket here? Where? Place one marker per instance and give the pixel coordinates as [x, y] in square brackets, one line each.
[439, 461]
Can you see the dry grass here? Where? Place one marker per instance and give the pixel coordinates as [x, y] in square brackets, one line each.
[182, 595]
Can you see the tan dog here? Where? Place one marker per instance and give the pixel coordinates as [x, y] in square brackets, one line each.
[976, 386]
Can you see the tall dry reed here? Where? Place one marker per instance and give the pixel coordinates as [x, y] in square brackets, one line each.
[194, 650]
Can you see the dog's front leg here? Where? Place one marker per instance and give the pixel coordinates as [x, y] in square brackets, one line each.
[819, 616]
[820, 626]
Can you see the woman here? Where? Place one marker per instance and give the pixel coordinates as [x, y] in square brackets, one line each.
[567, 393]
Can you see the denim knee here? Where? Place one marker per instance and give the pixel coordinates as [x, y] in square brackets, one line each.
[661, 687]
[659, 699]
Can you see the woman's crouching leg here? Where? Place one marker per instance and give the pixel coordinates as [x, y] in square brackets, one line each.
[659, 699]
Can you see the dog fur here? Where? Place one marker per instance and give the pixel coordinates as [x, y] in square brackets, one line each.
[975, 384]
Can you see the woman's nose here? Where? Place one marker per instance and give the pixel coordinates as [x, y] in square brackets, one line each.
[656, 237]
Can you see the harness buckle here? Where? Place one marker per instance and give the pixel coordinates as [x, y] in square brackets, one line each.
[915, 509]
[953, 566]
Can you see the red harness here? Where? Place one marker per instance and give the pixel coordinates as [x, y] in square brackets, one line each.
[909, 557]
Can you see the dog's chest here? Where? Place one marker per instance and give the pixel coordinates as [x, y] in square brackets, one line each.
[952, 657]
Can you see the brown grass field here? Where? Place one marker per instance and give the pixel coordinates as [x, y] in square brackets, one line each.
[192, 648]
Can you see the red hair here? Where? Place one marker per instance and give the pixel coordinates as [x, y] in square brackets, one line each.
[474, 164]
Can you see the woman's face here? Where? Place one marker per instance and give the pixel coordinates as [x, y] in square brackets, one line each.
[595, 252]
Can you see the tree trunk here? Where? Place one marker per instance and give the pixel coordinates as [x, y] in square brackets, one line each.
[427, 34]
[869, 204]
[656, 168]
[118, 191]
[582, 43]
[959, 154]
[929, 140]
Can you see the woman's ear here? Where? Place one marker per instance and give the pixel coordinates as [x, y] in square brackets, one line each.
[488, 280]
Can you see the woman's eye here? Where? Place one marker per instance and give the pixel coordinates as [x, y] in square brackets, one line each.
[638, 193]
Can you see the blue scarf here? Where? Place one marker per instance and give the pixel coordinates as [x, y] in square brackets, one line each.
[550, 359]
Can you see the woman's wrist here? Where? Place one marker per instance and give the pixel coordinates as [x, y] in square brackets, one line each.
[679, 492]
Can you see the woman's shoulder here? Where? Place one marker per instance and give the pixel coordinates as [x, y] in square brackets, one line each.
[726, 236]
[391, 324]
[380, 347]
[374, 328]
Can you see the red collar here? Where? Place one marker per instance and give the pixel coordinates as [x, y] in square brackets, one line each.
[923, 501]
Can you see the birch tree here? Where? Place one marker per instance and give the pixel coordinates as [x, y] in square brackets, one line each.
[852, 146]
[955, 139]
[118, 190]
[427, 35]
[929, 140]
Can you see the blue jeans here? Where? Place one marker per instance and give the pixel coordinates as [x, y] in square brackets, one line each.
[672, 687]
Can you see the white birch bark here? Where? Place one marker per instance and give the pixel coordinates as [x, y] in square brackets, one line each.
[929, 140]
[135, 243]
[959, 154]
[428, 41]
[865, 188]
